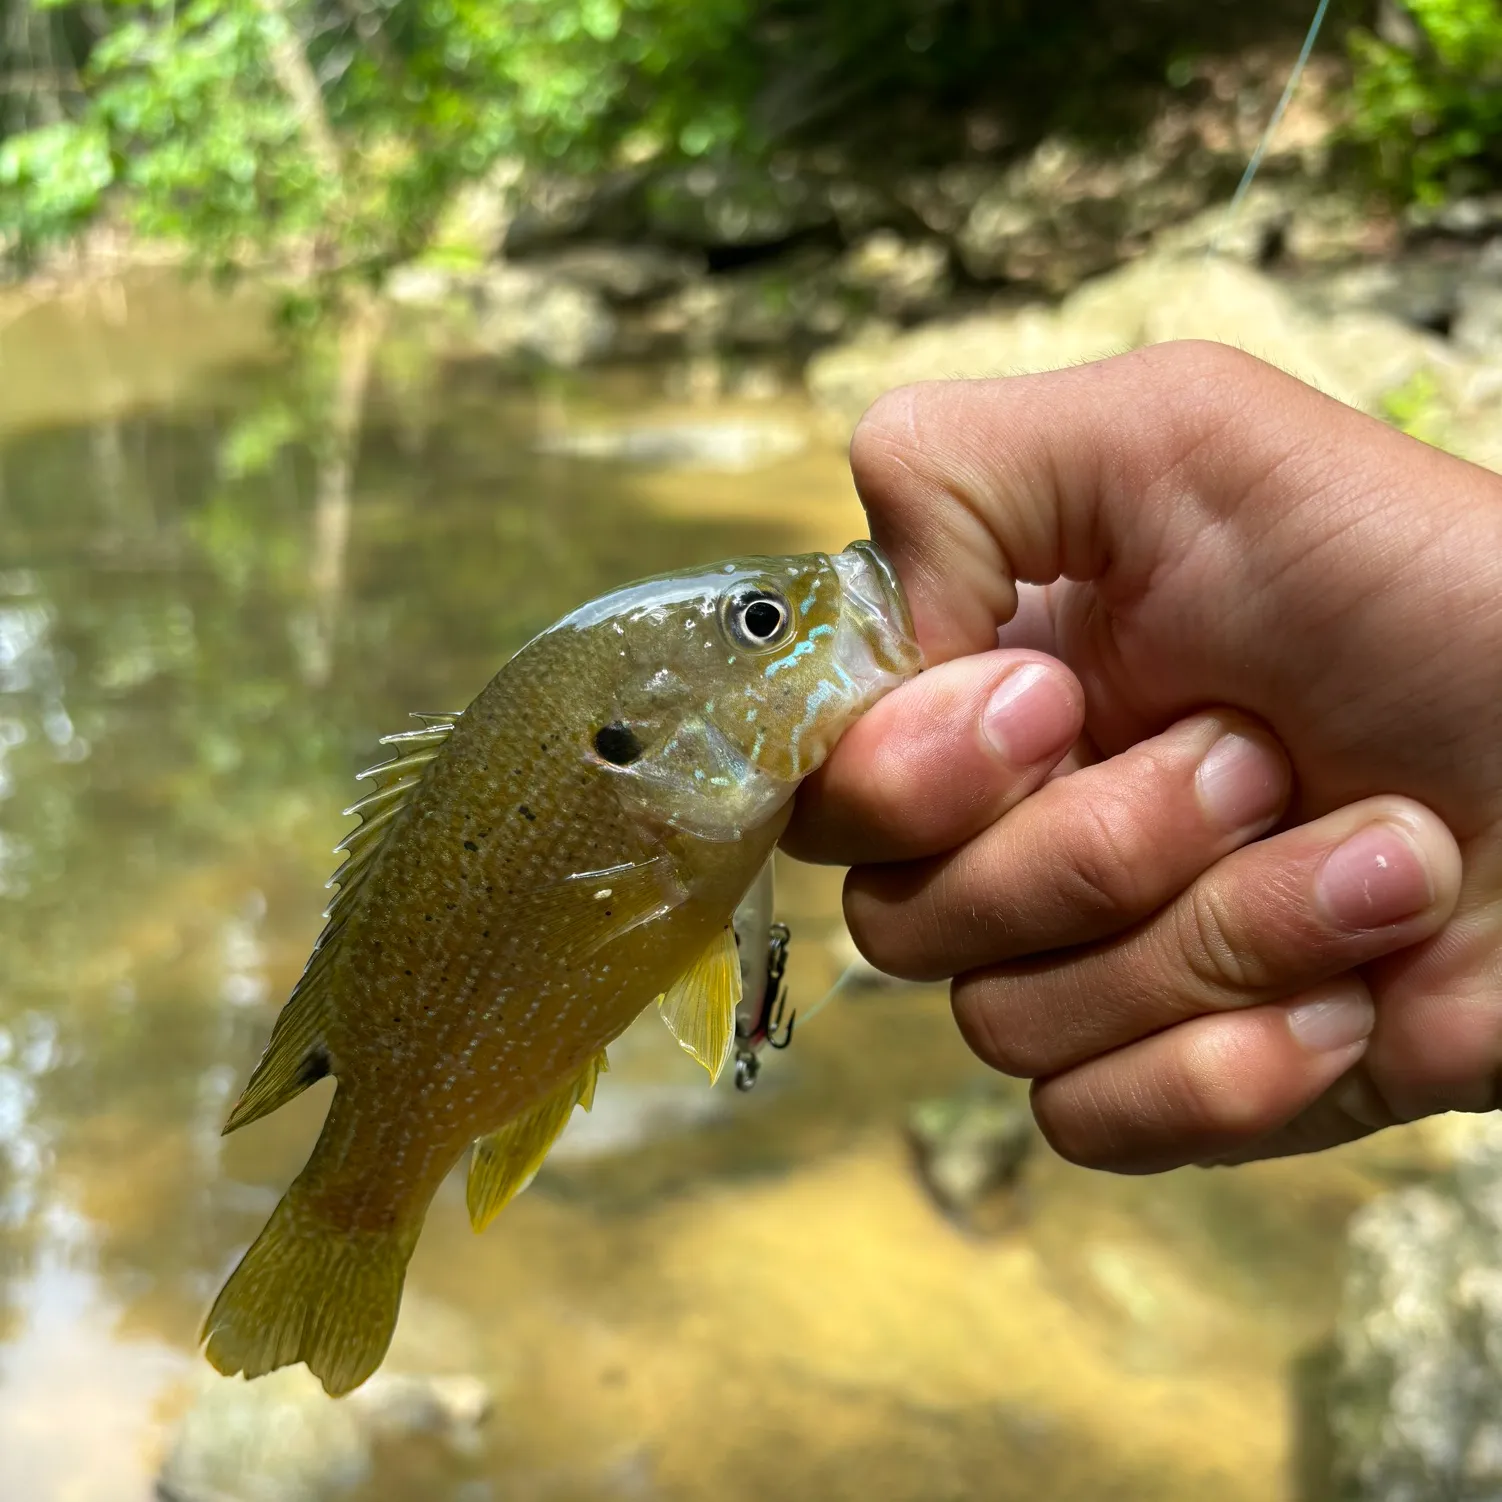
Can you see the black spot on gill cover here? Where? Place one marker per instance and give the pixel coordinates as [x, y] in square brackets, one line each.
[618, 744]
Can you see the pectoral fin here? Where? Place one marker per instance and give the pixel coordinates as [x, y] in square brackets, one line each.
[699, 1007]
[501, 1164]
[583, 913]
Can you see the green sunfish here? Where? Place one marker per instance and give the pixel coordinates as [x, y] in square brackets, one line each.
[527, 877]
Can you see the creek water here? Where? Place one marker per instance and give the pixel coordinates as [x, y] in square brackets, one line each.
[202, 635]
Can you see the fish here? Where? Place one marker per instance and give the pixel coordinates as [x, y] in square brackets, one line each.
[528, 876]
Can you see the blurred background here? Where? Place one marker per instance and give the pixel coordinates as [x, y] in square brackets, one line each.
[346, 343]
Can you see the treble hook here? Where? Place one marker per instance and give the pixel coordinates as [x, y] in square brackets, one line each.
[777, 961]
[768, 1026]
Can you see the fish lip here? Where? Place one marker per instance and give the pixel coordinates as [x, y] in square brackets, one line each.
[874, 595]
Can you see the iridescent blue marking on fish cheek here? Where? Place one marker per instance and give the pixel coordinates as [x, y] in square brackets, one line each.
[801, 650]
[817, 699]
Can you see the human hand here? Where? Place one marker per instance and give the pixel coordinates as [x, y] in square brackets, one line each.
[1236, 562]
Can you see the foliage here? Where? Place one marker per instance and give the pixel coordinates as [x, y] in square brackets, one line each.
[342, 128]
[1432, 110]
[236, 126]
[51, 179]
[1417, 408]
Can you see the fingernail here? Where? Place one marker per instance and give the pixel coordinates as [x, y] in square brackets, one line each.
[1030, 716]
[1240, 783]
[1376, 877]
[1334, 1023]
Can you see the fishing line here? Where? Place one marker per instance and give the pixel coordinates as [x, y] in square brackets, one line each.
[1272, 125]
[846, 974]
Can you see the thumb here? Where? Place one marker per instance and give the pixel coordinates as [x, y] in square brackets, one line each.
[1107, 472]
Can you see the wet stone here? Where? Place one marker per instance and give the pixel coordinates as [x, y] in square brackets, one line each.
[970, 1151]
[1415, 1397]
[620, 273]
[904, 277]
[282, 1439]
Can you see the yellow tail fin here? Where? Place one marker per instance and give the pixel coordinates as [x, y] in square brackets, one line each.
[306, 1292]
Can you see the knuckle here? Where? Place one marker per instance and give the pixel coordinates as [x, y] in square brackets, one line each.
[988, 1025]
[1207, 938]
[1101, 874]
[1082, 1121]
[1215, 1096]
[897, 940]
[1207, 365]
[1074, 1138]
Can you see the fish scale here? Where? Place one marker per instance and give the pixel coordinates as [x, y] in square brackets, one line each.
[528, 876]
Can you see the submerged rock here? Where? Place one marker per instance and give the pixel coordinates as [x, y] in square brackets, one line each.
[1415, 1401]
[282, 1439]
[1477, 327]
[970, 1150]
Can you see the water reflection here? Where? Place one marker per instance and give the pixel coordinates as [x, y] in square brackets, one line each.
[203, 630]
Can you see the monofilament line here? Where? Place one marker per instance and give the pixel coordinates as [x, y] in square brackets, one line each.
[1272, 126]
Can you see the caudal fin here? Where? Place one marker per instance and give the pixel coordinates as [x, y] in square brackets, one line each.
[306, 1292]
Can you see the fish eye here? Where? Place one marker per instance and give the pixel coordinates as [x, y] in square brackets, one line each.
[617, 744]
[759, 620]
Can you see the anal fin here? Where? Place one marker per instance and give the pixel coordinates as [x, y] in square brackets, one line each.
[501, 1164]
[699, 1007]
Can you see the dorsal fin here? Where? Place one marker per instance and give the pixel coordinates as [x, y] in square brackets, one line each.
[297, 1055]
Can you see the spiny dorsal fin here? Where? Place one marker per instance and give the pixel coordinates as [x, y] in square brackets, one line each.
[296, 1056]
[502, 1164]
[699, 1007]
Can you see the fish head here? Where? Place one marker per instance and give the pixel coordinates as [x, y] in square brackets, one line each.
[810, 643]
[734, 682]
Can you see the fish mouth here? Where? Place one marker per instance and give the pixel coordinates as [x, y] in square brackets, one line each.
[874, 599]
